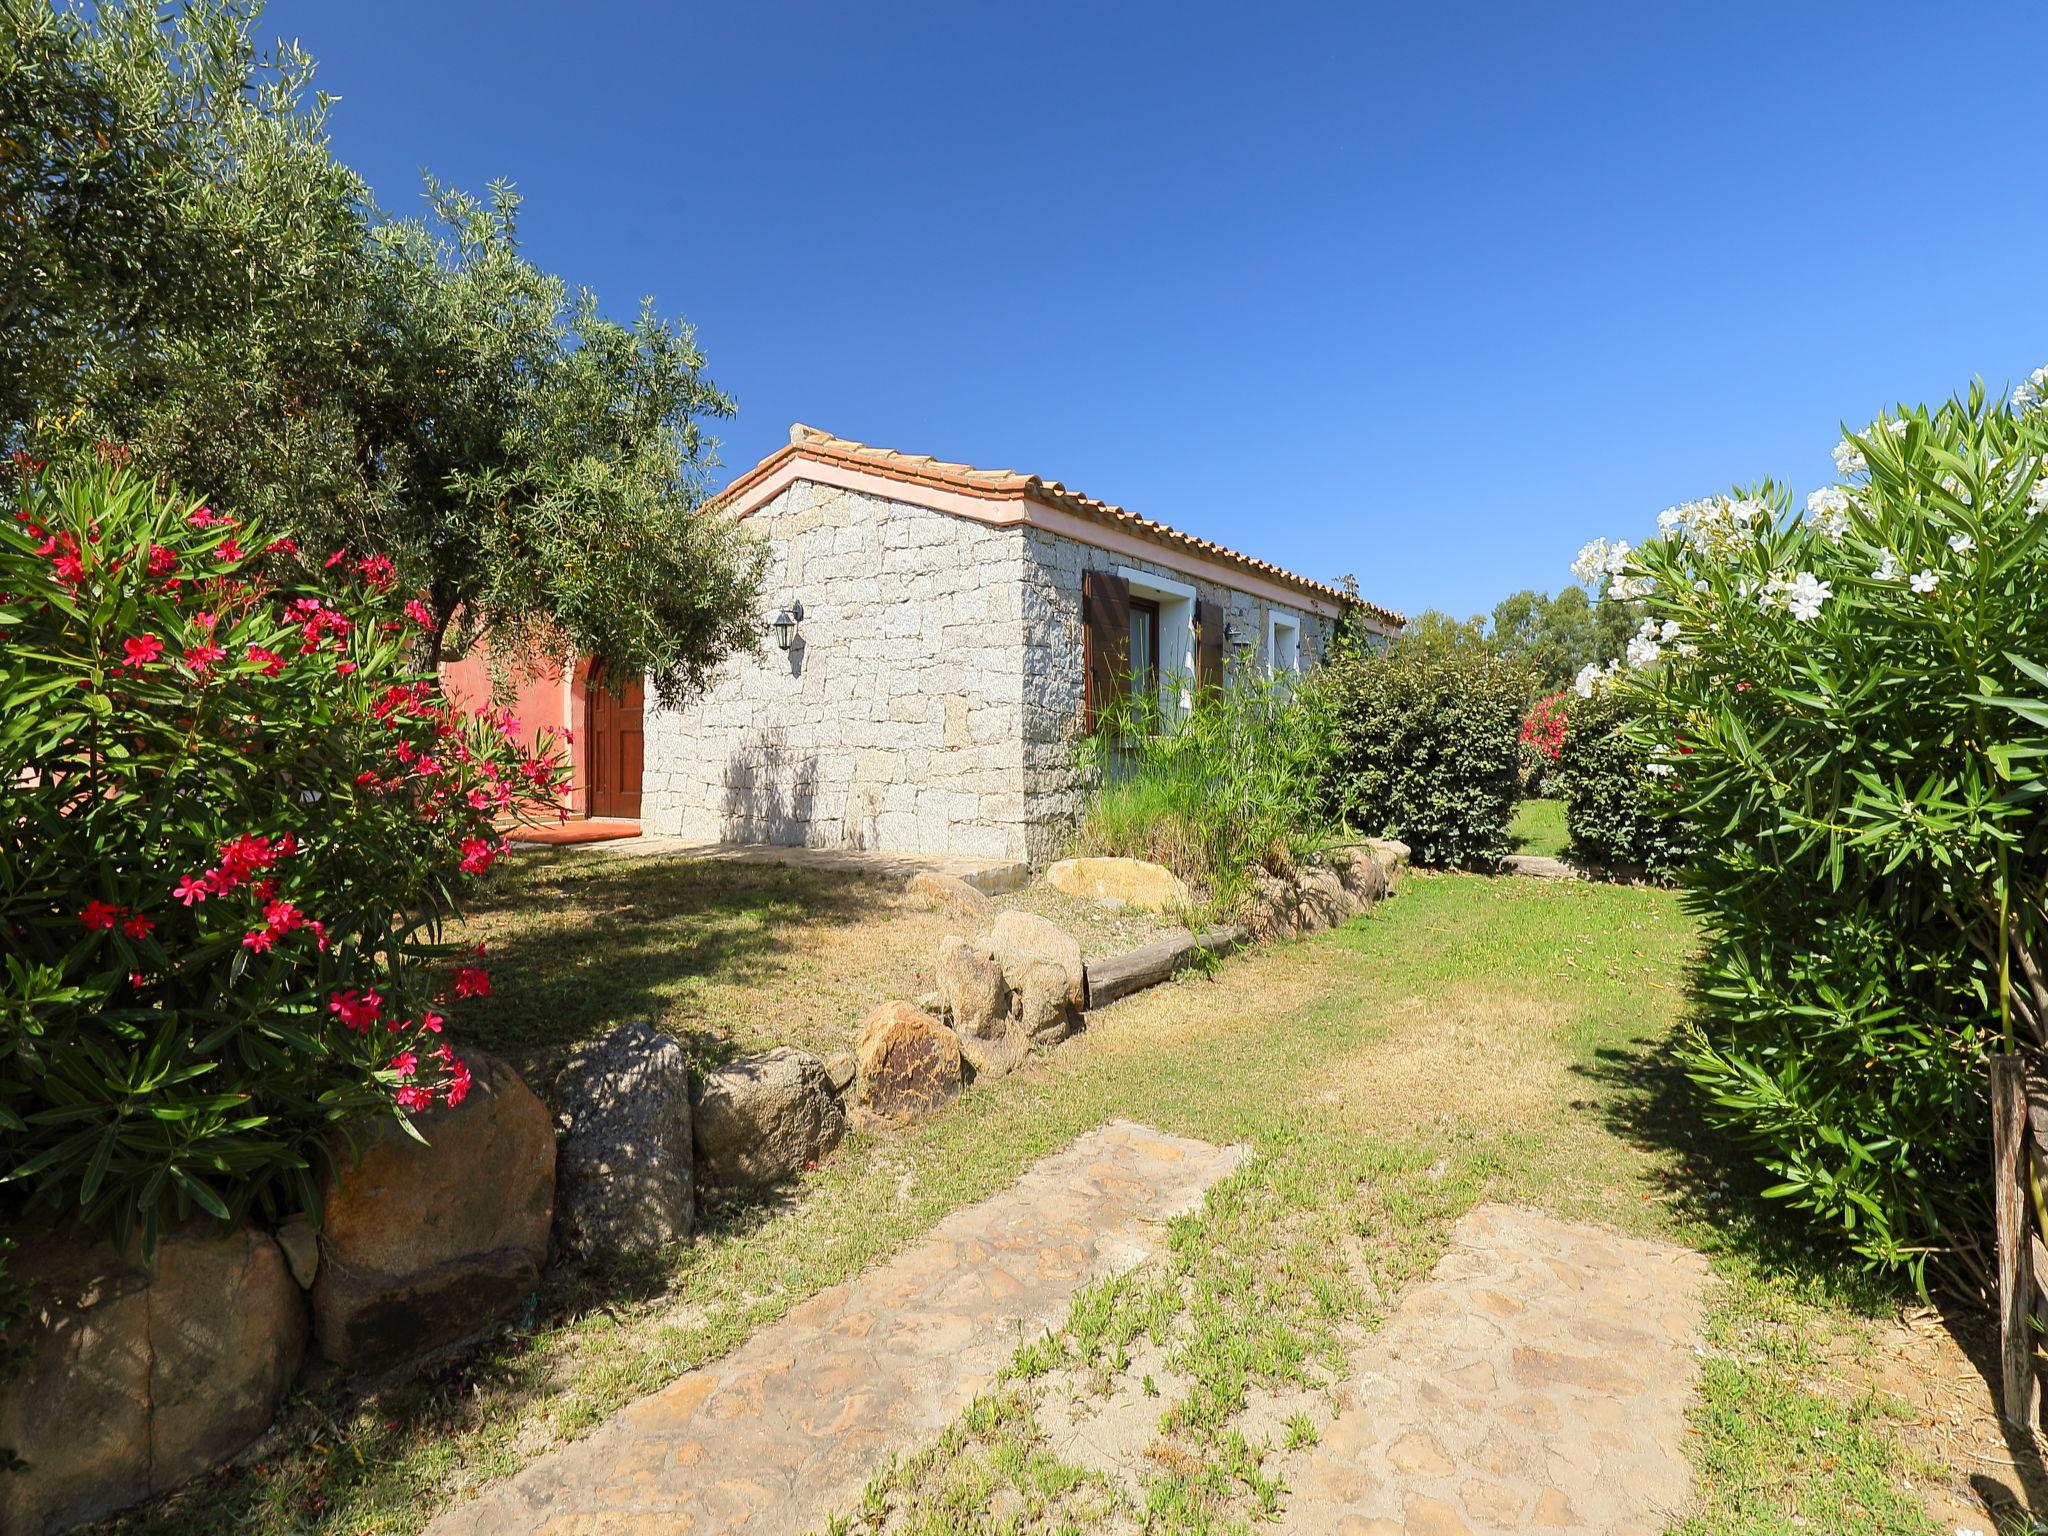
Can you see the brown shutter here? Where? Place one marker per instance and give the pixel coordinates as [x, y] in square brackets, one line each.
[1208, 646]
[1106, 643]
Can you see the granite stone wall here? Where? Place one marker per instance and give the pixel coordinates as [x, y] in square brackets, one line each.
[895, 726]
[934, 703]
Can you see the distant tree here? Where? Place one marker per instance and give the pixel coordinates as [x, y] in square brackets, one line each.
[1434, 630]
[413, 387]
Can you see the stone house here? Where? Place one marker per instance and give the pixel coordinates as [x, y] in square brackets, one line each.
[939, 637]
[958, 629]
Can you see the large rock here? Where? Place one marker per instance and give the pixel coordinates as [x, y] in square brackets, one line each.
[626, 1170]
[971, 987]
[937, 890]
[1272, 909]
[137, 1378]
[426, 1245]
[909, 1062]
[1121, 882]
[762, 1119]
[1018, 938]
[1363, 875]
[978, 1000]
[1045, 1008]
[1324, 901]
[1392, 856]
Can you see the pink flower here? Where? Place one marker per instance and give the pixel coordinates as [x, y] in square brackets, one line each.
[472, 981]
[141, 650]
[200, 658]
[137, 926]
[272, 663]
[100, 914]
[419, 613]
[411, 1096]
[458, 1082]
[193, 888]
[375, 571]
[343, 668]
[478, 854]
[230, 549]
[405, 1064]
[206, 517]
[259, 939]
[162, 560]
[431, 1022]
[358, 1010]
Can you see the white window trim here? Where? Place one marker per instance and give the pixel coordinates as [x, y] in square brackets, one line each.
[1176, 600]
[1278, 619]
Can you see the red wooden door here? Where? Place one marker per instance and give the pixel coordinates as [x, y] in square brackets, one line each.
[614, 752]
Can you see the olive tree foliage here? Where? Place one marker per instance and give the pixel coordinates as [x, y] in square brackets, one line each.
[194, 276]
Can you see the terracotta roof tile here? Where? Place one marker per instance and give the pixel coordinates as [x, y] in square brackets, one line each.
[1010, 484]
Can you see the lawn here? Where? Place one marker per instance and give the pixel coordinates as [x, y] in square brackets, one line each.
[1473, 1039]
[1539, 828]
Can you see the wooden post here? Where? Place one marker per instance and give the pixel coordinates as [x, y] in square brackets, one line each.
[2015, 1262]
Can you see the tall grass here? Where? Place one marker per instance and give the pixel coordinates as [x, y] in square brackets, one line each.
[1235, 783]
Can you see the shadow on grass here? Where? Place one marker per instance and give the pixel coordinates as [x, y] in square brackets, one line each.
[1714, 1189]
[577, 943]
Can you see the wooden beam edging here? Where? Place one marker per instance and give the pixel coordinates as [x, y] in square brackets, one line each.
[2009, 1208]
[1150, 964]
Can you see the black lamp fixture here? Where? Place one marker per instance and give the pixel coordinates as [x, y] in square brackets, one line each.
[785, 626]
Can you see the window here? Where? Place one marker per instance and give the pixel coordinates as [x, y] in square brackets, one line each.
[1164, 666]
[1283, 642]
[1144, 649]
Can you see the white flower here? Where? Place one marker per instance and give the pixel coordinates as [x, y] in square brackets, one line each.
[1804, 595]
[1828, 508]
[1670, 631]
[1670, 520]
[1702, 587]
[1627, 587]
[2033, 392]
[1896, 428]
[1686, 648]
[1849, 460]
[1600, 558]
[1587, 680]
[1924, 581]
[1643, 652]
[1961, 543]
[1888, 569]
[1661, 770]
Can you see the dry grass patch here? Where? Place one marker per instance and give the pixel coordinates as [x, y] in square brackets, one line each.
[1481, 1054]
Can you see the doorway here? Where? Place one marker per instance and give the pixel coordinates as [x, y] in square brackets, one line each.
[614, 749]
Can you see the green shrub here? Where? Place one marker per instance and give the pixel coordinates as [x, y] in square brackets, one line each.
[234, 818]
[1235, 784]
[1853, 700]
[1427, 748]
[1615, 809]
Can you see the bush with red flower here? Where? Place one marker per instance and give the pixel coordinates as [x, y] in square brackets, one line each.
[236, 819]
[1542, 742]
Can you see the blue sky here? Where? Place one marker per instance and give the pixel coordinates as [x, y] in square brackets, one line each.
[1431, 294]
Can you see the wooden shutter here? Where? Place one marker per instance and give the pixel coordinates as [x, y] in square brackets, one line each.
[1105, 643]
[1208, 646]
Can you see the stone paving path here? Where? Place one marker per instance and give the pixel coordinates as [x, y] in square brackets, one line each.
[791, 1425]
[1537, 1381]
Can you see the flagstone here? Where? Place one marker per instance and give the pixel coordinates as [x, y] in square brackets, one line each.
[790, 1426]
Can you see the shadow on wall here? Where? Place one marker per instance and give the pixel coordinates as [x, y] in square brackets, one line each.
[771, 795]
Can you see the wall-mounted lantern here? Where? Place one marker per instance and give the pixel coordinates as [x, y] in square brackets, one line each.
[785, 627]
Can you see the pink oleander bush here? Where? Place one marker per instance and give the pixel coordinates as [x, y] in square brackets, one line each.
[236, 818]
